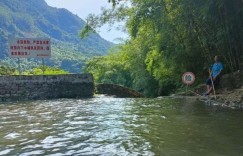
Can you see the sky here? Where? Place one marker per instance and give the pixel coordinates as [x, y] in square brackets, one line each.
[84, 7]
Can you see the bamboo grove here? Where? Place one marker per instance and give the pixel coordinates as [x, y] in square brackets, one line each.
[168, 38]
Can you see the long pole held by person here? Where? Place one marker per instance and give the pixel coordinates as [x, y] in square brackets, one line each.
[210, 74]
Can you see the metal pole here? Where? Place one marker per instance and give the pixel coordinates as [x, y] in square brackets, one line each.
[186, 89]
[43, 65]
[19, 66]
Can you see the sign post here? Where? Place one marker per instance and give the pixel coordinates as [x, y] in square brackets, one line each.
[43, 66]
[188, 78]
[29, 48]
[19, 66]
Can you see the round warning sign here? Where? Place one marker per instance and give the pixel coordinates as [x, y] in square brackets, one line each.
[188, 78]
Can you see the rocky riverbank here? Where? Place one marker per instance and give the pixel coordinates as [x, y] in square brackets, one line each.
[233, 98]
[229, 93]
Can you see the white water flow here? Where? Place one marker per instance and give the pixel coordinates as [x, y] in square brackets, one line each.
[115, 126]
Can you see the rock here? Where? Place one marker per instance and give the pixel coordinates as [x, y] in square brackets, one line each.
[200, 89]
[241, 97]
[231, 81]
[229, 92]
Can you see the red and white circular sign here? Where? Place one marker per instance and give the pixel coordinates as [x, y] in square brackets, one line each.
[188, 78]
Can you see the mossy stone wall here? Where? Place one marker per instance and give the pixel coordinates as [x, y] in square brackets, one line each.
[21, 87]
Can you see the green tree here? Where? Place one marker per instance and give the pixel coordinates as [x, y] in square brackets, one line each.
[5, 70]
[170, 37]
[47, 71]
[109, 69]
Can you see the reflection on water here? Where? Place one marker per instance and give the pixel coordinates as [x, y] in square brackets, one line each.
[113, 126]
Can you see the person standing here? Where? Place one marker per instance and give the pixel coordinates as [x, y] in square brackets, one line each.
[214, 75]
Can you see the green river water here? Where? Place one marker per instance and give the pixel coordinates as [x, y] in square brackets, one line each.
[114, 126]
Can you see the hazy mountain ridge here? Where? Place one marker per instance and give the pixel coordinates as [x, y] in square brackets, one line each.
[34, 18]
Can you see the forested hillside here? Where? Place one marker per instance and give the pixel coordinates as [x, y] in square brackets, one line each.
[168, 38]
[34, 18]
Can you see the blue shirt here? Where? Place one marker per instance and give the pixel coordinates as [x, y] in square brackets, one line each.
[217, 67]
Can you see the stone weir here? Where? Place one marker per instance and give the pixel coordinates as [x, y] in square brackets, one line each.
[13, 88]
[117, 90]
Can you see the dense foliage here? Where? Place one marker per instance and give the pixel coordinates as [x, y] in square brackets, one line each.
[34, 18]
[168, 38]
[45, 70]
[5, 70]
[40, 70]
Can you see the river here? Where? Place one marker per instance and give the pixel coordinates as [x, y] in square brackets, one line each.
[115, 126]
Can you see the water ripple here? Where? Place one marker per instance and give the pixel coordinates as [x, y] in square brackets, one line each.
[113, 126]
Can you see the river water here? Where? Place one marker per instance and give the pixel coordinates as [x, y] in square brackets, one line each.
[114, 126]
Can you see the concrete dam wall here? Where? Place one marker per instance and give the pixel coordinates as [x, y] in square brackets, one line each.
[21, 87]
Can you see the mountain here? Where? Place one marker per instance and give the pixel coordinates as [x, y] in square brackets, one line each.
[34, 18]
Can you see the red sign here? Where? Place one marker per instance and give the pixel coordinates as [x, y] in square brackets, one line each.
[188, 78]
[29, 47]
